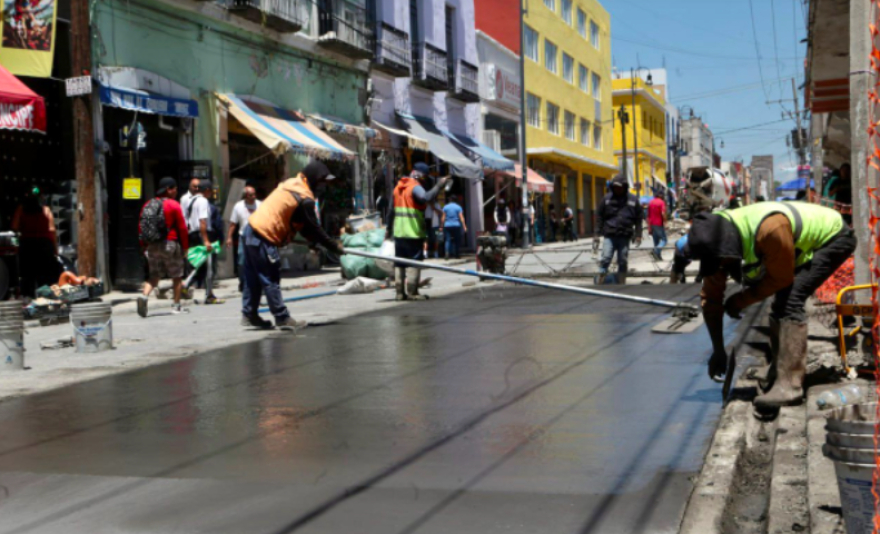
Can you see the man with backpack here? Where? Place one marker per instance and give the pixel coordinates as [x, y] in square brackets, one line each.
[163, 233]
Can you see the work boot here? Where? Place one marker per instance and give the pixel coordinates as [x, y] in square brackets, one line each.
[765, 374]
[413, 277]
[142, 302]
[600, 280]
[791, 367]
[399, 279]
[290, 324]
[256, 321]
[621, 277]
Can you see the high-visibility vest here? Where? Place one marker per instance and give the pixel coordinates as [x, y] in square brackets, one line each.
[409, 216]
[272, 218]
[811, 224]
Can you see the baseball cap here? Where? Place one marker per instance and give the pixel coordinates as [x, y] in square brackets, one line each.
[165, 184]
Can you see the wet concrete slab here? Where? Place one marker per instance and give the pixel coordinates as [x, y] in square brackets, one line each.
[501, 410]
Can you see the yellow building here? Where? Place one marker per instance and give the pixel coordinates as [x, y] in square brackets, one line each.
[568, 103]
[649, 121]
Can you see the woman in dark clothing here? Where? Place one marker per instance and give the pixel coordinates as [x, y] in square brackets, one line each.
[38, 248]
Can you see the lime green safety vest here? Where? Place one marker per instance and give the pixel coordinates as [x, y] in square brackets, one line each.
[813, 226]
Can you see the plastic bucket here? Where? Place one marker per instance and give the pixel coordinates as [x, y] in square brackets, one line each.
[11, 347]
[11, 310]
[855, 481]
[853, 419]
[92, 326]
[853, 441]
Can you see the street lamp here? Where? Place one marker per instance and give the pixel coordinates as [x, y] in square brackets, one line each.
[649, 81]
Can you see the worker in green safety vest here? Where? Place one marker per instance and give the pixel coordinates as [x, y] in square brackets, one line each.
[785, 249]
[406, 224]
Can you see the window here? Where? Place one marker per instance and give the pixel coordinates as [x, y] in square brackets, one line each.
[569, 125]
[550, 56]
[594, 34]
[582, 23]
[644, 118]
[585, 132]
[584, 79]
[597, 87]
[531, 44]
[597, 137]
[551, 4]
[566, 11]
[533, 108]
[552, 118]
[568, 68]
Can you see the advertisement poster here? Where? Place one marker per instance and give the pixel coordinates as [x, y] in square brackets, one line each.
[27, 43]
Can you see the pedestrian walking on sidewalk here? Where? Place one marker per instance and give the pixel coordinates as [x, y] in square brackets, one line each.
[657, 223]
[432, 220]
[38, 245]
[190, 193]
[785, 249]
[406, 223]
[288, 210]
[454, 227]
[568, 231]
[238, 222]
[619, 218]
[163, 233]
[200, 221]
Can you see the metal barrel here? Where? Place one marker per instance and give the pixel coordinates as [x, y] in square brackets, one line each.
[526, 281]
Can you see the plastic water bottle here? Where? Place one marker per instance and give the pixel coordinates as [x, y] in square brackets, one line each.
[848, 394]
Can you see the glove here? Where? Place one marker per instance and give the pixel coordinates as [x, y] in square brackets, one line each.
[338, 248]
[732, 309]
[717, 366]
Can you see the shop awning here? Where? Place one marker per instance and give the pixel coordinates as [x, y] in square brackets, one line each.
[536, 182]
[283, 130]
[20, 108]
[412, 141]
[144, 102]
[489, 158]
[335, 125]
[443, 147]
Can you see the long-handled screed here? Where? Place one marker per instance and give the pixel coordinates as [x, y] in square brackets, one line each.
[683, 313]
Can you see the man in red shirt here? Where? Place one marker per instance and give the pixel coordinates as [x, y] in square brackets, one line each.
[165, 256]
[657, 223]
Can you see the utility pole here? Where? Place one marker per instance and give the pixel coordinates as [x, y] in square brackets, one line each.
[623, 117]
[801, 149]
[83, 139]
[632, 79]
[523, 158]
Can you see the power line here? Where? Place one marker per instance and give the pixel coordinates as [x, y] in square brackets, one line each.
[758, 49]
[727, 90]
[682, 50]
[775, 42]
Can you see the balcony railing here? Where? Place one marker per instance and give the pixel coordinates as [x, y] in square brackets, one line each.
[343, 27]
[393, 53]
[287, 16]
[464, 81]
[429, 67]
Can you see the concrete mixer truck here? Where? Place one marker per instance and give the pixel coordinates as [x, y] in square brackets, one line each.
[706, 189]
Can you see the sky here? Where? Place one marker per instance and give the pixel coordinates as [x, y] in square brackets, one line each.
[726, 59]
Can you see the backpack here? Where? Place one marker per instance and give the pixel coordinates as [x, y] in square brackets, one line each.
[153, 226]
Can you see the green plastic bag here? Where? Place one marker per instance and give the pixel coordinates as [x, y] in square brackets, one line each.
[198, 255]
[354, 266]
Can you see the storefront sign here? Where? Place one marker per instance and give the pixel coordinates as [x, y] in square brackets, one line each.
[27, 36]
[19, 117]
[81, 85]
[502, 86]
[131, 188]
[148, 103]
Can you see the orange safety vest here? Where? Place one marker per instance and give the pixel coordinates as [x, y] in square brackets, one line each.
[272, 218]
[409, 215]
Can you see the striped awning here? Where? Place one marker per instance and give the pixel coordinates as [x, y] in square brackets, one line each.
[282, 130]
[335, 125]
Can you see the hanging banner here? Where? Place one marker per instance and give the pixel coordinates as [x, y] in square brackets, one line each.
[27, 45]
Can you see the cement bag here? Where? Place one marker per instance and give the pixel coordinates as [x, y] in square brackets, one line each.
[358, 286]
[355, 266]
[387, 249]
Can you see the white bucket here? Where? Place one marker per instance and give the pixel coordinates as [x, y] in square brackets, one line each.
[850, 444]
[11, 347]
[11, 310]
[854, 481]
[853, 441]
[92, 326]
[852, 419]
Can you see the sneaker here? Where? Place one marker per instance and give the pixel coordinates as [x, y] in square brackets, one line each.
[142, 306]
[256, 322]
[177, 309]
[291, 324]
[214, 300]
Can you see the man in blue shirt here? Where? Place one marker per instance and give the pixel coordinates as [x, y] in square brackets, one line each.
[453, 227]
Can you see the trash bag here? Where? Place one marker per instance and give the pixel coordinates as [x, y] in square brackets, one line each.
[355, 266]
[359, 285]
[198, 255]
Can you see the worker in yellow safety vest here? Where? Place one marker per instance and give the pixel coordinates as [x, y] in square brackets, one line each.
[406, 224]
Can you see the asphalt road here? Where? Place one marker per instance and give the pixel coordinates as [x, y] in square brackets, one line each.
[501, 410]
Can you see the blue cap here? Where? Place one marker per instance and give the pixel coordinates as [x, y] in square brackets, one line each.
[422, 167]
